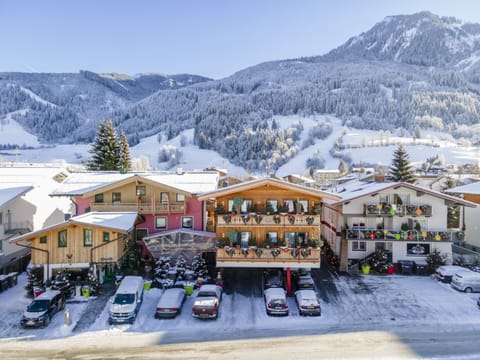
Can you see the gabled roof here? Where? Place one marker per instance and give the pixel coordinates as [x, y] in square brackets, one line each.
[9, 194]
[122, 222]
[188, 183]
[359, 189]
[473, 189]
[252, 184]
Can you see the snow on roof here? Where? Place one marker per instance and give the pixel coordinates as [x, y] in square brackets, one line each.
[357, 189]
[473, 188]
[119, 221]
[8, 194]
[78, 184]
[113, 220]
[33, 174]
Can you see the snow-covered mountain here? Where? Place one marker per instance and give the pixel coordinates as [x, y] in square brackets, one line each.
[409, 76]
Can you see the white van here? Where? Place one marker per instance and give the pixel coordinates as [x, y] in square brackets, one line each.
[466, 281]
[127, 300]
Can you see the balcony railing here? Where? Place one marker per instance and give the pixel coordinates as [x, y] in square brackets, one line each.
[142, 208]
[387, 209]
[255, 254]
[269, 220]
[408, 235]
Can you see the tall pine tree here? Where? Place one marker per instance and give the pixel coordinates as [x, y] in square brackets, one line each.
[125, 162]
[401, 169]
[105, 149]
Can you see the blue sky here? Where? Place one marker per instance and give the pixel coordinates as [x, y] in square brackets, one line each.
[214, 38]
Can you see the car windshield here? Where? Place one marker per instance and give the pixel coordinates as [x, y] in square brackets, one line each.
[38, 306]
[277, 302]
[207, 294]
[123, 299]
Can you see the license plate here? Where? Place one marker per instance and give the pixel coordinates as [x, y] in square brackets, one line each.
[204, 314]
[311, 307]
[30, 322]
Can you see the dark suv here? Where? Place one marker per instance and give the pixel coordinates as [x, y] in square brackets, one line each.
[42, 308]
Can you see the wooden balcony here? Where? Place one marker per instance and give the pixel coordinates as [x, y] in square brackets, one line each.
[398, 235]
[268, 220]
[141, 208]
[280, 257]
[387, 209]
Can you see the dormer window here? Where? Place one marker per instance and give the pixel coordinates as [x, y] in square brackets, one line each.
[141, 190]
[98, 198]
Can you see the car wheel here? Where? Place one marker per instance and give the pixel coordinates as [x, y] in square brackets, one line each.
[468, 290]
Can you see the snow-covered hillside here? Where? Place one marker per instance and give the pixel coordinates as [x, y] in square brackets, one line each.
[361, 146]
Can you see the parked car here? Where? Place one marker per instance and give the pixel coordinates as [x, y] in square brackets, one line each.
[304, 280]
[445, 272]
[207, 302]
[466, 281]
[273, 279]
[42, 309]
[276, 301]
[170, 303]
[307, 302]
[127, 300]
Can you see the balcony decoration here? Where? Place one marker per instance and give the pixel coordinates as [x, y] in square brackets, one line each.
[306, 252]
[269, 208]
[316, 208]
[291, 219]
[294, 252]
[277, 219]
[283, 209]
[310, 220]
[258, 218]
[252, 209]
[259, 252]
[246, 219]
[245, 252]
[426, 210]
[411, 209]
[229, 250]
[219, 210]
[386, 208]
[371, 209]
[275, 252]
[227, 218]
[223, 242]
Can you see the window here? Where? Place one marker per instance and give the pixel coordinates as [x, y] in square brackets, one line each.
[140, 234]
[87, 237]
[302, 206]
[290, 238]
[180, 198]
[98, 198]
[140, 190]
[272, 238]
[116, 198]
[290, 205]
[244, 239]
[62, 238]
[160, 222]
[164, 197]
[43, 239]
[187, 222]
[273, 205]
[106, 236]
[302, 239]
[245, 206]
[359, 246]
[230, 205]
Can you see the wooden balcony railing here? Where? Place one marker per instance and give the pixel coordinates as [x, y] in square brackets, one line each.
[408, 235]
[278, 255]
[387, 209]
[268, 220]
[142, 208]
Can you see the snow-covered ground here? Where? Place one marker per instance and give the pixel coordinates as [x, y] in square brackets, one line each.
[364, 302]
[367, 147]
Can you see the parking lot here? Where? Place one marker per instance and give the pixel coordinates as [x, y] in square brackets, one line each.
[348, 302]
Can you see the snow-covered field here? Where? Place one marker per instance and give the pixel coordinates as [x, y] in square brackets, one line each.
[367, 147]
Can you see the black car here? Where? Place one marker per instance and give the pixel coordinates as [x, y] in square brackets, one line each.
[42, 308]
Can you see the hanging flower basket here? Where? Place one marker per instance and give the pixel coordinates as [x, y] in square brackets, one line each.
[305, 252]
[259, 252]
[277, 219]
[275, 252]
[291, 219]
[258, 219]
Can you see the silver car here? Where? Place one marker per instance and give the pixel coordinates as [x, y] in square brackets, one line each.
[170, 304]
[307, 302]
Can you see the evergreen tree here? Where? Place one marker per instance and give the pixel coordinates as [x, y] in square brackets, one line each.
[125, 161]
[401, 169]
[105, 149]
